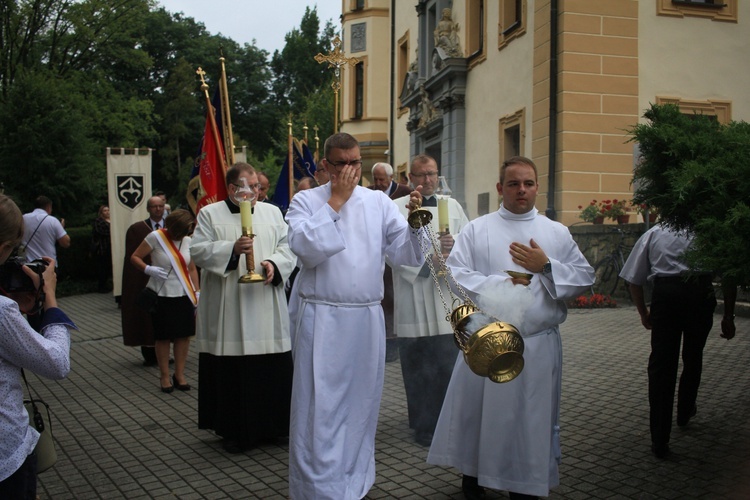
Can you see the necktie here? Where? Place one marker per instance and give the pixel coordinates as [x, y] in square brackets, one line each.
[156, 226]
[429, 201]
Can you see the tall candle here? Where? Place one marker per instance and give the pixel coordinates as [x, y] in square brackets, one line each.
[246, 216]
[443, 225]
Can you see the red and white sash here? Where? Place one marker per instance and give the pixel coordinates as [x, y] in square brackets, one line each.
[178, 264]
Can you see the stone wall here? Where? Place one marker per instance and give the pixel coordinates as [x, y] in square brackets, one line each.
[597, 241]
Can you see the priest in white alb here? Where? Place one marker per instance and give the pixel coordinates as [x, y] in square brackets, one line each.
[506, 436]
[425, 338]
[341, 233]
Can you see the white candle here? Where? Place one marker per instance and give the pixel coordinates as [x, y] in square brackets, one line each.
[246, 215]
[443, 225]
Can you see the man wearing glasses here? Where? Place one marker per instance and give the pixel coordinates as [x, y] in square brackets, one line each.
[342, 233]
[245, 362]
[425, 337]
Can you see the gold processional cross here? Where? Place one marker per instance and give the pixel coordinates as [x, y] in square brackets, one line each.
[337, 60]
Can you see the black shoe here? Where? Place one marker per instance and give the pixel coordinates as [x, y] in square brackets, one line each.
[167, 390]
[521, 496]
[149, 355]
[423, 437]
[660, 450]
[232, 446]
[682, 420]
[180, 387]
[470, 487]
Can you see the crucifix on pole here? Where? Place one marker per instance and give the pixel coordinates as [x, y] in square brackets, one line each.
[338, 61]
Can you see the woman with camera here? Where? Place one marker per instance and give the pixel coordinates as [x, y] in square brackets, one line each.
[174, 279]
[21, 348]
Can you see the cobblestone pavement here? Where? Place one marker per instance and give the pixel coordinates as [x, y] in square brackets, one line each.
[118, 436]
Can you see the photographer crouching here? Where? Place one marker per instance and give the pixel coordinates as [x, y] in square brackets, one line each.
[27, 289]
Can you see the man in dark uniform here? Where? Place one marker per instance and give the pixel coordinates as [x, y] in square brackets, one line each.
[682, 309]
[136, 322]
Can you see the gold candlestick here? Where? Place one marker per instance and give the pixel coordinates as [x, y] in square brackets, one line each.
[250, 276]
[244, 196]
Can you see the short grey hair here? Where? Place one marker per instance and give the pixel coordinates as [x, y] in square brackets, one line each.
[388, 169]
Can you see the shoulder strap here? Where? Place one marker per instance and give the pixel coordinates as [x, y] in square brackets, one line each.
[38, 420]
[35, 230]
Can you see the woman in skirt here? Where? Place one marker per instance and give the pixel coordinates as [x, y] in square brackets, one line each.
[174, 278]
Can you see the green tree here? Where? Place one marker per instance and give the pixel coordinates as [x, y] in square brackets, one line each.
[296, 72]
[696, 173]
[47, 137]
[64, 73]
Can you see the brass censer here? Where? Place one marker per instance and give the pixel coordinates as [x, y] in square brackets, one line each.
[492, 348]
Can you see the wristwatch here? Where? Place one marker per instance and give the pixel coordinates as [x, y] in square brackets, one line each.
[547, 268]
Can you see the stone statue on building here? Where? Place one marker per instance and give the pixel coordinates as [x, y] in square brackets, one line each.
[446, 35]
[429, 113]
[413, 73]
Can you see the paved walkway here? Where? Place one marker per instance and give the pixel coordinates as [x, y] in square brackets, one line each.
[118, 436]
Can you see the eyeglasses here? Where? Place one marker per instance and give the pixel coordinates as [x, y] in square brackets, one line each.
[254, 187]
[342, 164]
[425, 174]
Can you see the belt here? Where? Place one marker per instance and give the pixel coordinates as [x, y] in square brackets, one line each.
[685, 279]
[341, 304]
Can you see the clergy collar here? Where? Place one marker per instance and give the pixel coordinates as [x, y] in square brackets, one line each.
[234, 208]
[508, 215]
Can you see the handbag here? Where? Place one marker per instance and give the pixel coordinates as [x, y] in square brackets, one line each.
[46, 455]
[147, 299]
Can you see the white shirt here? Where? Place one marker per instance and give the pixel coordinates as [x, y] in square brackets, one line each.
[172, 287]
[47, 354]
[42, 243]
[658, 252]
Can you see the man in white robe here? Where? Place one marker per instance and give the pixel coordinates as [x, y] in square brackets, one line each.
[425, 336]
[506, 436]
[245, 365]
[341, 233]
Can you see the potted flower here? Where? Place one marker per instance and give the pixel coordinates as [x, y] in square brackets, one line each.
[591, 213]
[645, 211]
[616, 210]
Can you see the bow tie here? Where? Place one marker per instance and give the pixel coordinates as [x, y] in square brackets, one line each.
[429, 202]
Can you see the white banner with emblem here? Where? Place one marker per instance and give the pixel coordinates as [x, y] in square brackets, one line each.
[129, 186]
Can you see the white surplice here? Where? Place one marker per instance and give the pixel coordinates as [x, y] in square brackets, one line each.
[417, 308]
[241, 319]
[338, 337]
[507, 434]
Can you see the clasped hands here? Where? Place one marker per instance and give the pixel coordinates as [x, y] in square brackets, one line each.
[531, 257]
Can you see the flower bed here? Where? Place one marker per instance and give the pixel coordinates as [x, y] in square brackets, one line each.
[593, 301]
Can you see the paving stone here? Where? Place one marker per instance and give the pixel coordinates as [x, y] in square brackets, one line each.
[118, 436]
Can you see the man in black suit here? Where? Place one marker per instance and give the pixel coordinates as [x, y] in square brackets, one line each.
[382, 180]
[136, 322]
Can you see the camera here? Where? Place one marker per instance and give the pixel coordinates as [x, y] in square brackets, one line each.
[13, 279]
